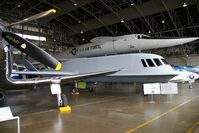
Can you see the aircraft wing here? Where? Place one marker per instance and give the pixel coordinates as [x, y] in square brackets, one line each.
[87, 75]
[63, 79]
[63, 76]
[44, 73]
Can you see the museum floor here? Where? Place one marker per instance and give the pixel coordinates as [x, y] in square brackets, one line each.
[105, 112]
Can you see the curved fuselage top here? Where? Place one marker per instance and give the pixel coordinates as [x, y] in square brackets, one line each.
[131, 65]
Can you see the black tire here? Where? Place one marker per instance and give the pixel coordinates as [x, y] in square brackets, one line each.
[2, 95]
[64, 99]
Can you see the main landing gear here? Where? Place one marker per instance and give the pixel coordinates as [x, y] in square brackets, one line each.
[61, 98]
[190, 84]
[75, 91]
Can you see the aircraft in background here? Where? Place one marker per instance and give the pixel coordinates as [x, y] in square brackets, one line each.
[185, 76]
[194, 69]
[101, 46]
[8, 38]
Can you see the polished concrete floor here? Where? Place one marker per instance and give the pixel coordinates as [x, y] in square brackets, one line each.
[105, 112]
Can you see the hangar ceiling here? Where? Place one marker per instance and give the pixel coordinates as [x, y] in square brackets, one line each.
[78, 21]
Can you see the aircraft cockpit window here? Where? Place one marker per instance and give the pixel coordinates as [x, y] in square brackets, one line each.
[143, 63]
[14, 67]
[157, 62]
[150, 63]
[163, 60]
[140, 36]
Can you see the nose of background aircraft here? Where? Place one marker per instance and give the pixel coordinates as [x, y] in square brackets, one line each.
[189, 39]
[196, 76]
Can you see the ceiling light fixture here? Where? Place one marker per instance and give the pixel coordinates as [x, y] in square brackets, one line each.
[184, 5]
[122, 21]
[163, 21]
[81, 32]
[75, 4]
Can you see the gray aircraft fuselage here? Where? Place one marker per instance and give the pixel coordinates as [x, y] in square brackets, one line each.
[133, 69]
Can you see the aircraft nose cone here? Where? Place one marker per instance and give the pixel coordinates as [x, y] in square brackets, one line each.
[193, 38]
[190, 39]
[197, 76]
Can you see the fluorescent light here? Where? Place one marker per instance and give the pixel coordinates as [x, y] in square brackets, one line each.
[31, 37]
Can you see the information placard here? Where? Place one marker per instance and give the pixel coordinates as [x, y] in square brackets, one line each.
[152, 88]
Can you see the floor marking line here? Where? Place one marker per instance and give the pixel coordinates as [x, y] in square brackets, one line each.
[161, 115]
[193, 127]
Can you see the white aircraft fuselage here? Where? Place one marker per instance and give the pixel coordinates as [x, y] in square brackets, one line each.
[100, 46]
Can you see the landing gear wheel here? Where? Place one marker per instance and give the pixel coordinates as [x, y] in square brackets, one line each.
[64, 99]
[2, 94]
[190, 86]
[64, 104]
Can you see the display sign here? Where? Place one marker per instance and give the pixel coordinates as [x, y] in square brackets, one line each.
[160, 88]
[5, 114]
[152, 88]
[169, 88]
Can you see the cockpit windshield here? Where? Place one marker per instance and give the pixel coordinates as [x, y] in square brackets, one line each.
[153, 62]
[143, 36]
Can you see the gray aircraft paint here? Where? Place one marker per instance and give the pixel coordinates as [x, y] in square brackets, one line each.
[132, 69]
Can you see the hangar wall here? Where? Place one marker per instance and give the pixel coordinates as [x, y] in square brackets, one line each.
[187, 60]
[118, 88]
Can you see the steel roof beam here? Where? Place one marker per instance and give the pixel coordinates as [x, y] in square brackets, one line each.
[65, 6]
[148, 8]
[192, 23]
[171, 30]
[171, 17]
[117, 15]
[197, 4]
[98, 20]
